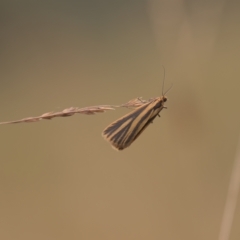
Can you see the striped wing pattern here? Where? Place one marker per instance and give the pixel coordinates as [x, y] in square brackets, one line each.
[125, 130]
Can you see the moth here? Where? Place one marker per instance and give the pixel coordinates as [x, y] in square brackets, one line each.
[124, 131]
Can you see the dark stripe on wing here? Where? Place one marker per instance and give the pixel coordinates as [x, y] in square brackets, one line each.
[137, 129]
[117, 124]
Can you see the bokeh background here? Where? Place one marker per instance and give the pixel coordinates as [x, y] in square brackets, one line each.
[59, 179]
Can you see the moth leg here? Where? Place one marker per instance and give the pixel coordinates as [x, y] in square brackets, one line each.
[159, 115]
[165, 107]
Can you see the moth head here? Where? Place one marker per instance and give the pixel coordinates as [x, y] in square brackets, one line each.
[164, 99]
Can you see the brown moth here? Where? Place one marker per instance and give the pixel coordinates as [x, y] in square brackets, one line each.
[124, 131]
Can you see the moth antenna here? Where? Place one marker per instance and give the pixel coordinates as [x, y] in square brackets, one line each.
[163, 79]
[168, 90]
[163, 94]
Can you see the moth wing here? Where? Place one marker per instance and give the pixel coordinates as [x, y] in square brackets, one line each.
[125, 130]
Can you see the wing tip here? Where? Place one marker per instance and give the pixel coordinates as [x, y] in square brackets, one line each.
[114, 146]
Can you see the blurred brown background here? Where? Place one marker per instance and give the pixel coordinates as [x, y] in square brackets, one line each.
[59, 179]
